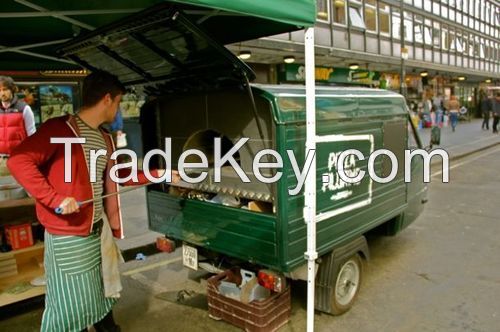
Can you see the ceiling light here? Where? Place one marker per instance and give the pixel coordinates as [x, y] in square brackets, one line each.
[353, 66]
[488, 81]
[289, 59]
[461, 78]
[244, 55]
[424, 73]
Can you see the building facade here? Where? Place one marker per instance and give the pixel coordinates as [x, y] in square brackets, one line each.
[438, 46]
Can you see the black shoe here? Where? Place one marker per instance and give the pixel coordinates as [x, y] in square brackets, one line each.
[107, 324]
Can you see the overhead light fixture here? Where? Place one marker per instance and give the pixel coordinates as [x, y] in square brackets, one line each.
[461, 78]
[424, 73]
[353, 66]
[488, 81]
[289, 59]
[245, 55]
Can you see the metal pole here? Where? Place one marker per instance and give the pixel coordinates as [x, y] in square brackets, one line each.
[403, 69]
[310, 184]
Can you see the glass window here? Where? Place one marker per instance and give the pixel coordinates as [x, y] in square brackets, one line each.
[487, 13]
[339, 11]
[396, 24]
[436, 35]
[497, 16]
[408, 25]
[383, 18]
[452, 14]
[444, 11]
[459, 17]
[459, 5]
[482, 9]
[459, 44]
[408, 1]
[471, 7]
[435, 8]
[471, 23]
[428, 5]
[465, 5]
[445, 39]
[370, 16]
[322, 10]
[419, 29]
[471, 46]
[476, 9]
[465, 44]
[356, 18]
[417, 3]
[466, 20]
[482, 27]
[476, 46]
[482, 53]
[428, 35]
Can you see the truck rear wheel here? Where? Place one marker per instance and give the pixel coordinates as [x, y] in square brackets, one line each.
[339, 277]
[347, 283]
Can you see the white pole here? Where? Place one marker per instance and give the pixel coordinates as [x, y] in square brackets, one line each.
[310, 185]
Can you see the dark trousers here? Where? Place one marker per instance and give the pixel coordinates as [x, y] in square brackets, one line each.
[496, 119]
[486, 121]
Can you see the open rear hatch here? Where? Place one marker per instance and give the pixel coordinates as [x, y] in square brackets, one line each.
[161, 49]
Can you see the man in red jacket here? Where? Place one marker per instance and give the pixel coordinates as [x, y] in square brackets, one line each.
[16, 121]
[73, 259]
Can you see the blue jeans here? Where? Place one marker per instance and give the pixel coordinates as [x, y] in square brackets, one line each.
[453, 119]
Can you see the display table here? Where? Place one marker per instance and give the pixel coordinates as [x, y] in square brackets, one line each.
[19, 267]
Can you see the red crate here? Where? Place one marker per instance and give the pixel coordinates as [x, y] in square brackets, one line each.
[19, 236]
[257, 316]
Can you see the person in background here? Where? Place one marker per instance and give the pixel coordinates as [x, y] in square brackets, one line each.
[453, 109]
[116, 126]
[16, 121]
[495, 108]
[485, 109]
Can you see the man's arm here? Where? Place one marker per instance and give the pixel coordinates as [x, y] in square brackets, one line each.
[29, 120]
[25, 162]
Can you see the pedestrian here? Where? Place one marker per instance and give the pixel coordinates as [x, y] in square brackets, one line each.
[116, 128]
[495, 108]
[438, 107]
[453, 109]
[81, 258]
[16, 121]
[485, 110]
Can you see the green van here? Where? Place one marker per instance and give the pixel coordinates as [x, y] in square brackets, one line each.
[199, 92]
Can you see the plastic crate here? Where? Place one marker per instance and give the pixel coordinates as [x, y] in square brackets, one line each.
[257, 316]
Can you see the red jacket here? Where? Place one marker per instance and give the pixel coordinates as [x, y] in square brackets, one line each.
[38, 166]
[12, 128]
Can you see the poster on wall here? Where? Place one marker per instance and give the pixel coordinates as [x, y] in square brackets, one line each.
[55, 100]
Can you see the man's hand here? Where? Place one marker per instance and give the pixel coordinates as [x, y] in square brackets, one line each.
[69, 205]
[175, 175]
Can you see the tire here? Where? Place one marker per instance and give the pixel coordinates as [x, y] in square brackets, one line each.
[347, 282]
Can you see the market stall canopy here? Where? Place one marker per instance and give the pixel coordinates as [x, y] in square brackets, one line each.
[31, 30]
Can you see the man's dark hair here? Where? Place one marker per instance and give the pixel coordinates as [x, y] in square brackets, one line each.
[8, 82]
[97, 85]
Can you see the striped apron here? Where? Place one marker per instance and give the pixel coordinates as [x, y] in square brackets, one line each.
[75, 294]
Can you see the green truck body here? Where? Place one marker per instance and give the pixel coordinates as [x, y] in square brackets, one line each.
[364, 119]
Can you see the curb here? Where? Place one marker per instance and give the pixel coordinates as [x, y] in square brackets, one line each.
[469, 153]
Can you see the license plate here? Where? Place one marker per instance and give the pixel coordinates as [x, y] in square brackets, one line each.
[190, 257]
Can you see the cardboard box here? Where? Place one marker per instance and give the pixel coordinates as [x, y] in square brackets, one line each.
[19, 236]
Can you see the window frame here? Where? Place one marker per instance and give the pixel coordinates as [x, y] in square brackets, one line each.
[327, 21]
